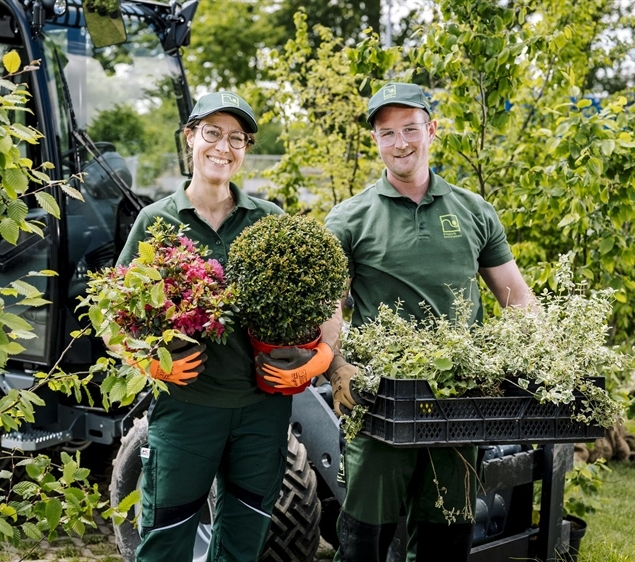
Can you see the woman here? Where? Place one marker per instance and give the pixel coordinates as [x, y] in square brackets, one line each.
[218, 425]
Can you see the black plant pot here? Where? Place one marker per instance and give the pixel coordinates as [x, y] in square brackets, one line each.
[578, 529]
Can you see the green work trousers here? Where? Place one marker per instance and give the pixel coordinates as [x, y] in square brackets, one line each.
[380, 479]
[190, 445]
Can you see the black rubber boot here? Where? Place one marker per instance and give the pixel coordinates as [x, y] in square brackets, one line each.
[439, 542]
[362, 542]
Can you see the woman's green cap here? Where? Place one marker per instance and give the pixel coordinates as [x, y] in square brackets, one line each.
[227, 102]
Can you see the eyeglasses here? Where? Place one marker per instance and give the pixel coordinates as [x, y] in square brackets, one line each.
[411, 133]
[237, 139]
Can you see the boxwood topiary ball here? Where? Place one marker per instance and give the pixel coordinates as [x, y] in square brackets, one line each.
[290, 271]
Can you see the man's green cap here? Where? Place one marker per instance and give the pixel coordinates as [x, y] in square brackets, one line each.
[397, 93]
[227, 102]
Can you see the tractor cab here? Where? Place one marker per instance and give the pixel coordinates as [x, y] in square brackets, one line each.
[109, 96]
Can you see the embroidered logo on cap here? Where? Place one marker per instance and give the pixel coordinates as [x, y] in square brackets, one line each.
[228, 99]
[390, 91]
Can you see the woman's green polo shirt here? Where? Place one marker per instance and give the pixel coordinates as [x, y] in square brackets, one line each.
[229, 377]
[400, 250]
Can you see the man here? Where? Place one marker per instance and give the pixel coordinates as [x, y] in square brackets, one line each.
[412, 237]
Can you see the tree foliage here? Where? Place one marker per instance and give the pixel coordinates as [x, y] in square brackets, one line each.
[328, 148]
[225, 39]
[514, 88]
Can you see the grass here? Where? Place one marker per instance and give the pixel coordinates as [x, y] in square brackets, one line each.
[610, 530]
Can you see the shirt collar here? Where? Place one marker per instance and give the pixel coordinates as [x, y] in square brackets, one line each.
[437, 186]
[182, 201]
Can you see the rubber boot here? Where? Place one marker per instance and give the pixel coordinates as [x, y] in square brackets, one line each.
[439, 542]
[362, 542]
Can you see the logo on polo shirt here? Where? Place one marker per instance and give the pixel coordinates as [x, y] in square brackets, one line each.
[229, 99]
[450, 226]
[390, 91]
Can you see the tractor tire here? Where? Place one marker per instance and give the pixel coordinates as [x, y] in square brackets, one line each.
[126, 478]
[294, 535]
[295, 522]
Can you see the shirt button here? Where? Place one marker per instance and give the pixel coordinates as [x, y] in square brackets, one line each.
[221, 260]
[218, 242]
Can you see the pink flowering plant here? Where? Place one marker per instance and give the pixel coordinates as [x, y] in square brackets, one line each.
[170, 294]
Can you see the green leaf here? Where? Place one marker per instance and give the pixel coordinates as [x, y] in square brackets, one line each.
[165, 358]
[96, 316]
[11, 62]
[42, 273]
[48, 203]
[14, 321]
[14, 181]
[146, 253]
[608, 146]
[596, 166]
[443, 363]
[5, 528]
[33, 301]
[26, 489]
[606, 245]
[31, 531]
[27, 134]
[17, 210]
[9, 230]
[130, 500]
[12, 348]
[26, 289]
[5, 144]
[136, 384]
[41, 177]
[53, 512]
[71, 191]
[157, 295]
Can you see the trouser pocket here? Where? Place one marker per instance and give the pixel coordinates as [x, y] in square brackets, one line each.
[148, 487]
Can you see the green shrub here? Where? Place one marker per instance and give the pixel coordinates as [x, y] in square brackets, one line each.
[290, 271]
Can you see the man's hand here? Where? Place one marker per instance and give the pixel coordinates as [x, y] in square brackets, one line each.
[186, 366]
[340, 375]
[291, 367]
[344, 397]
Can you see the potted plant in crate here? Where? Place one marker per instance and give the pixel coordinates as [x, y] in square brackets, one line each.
[289, 271]
[549, 354]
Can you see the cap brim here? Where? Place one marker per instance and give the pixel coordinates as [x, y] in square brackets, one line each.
[369, 119]
[248, 119]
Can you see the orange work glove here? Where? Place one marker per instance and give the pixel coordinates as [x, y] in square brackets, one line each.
[297, 375]
[186, 366]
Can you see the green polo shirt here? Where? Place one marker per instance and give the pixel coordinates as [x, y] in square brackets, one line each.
[398, 249]
[229, 376]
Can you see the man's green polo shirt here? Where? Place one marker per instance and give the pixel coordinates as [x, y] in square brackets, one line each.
[229, 377]
[400, 250]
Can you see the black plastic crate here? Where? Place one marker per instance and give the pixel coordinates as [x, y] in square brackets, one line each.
[406, 413]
